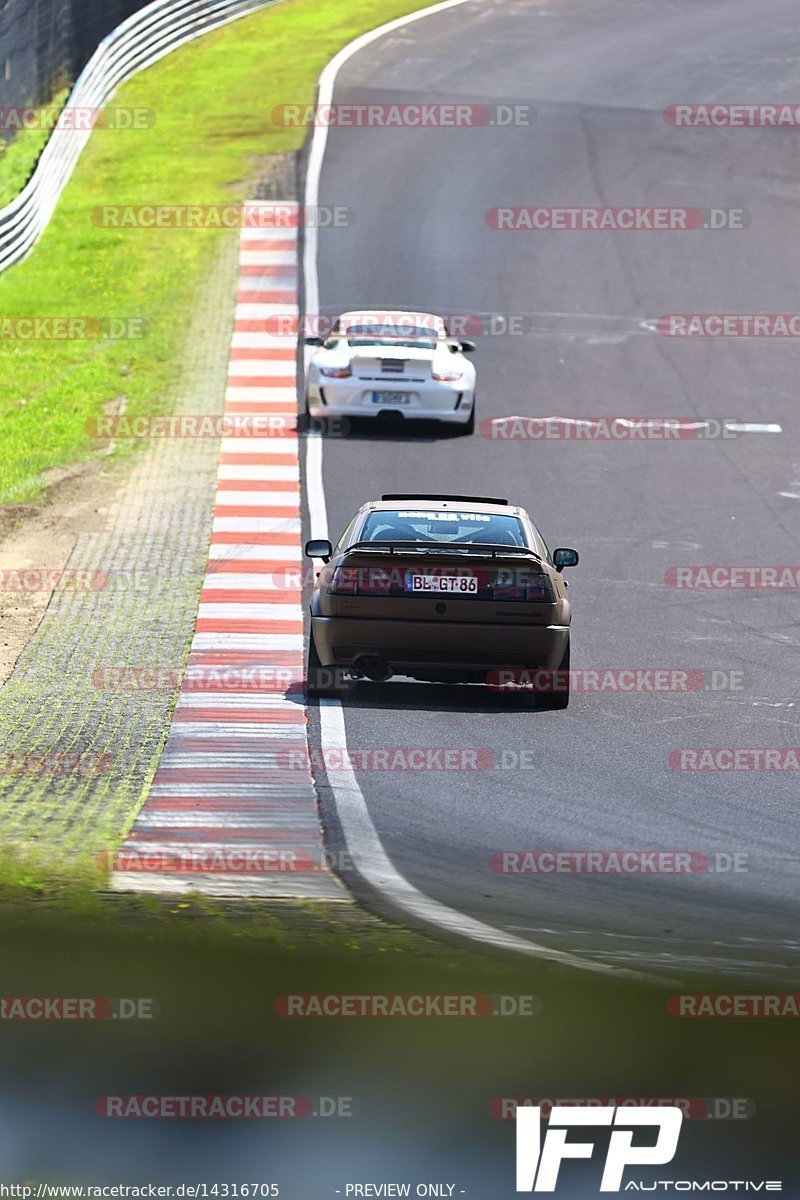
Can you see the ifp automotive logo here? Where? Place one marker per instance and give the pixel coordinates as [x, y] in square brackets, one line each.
[538, 1162]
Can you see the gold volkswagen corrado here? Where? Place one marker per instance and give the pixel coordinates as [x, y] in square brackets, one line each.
[446, 589]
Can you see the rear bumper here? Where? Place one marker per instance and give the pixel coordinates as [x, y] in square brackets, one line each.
[406, 645]
[435, 402]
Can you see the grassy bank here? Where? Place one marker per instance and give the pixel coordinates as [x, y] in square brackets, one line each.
[213, 102]
[19, 156]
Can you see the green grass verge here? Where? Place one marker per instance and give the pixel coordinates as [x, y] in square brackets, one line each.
[213, 101]
[341, 928]
[19, 156]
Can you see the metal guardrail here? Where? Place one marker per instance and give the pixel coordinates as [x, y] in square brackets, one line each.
[138, 42]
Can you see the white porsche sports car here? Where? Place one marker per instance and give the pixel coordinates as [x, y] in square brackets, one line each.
[399, 363]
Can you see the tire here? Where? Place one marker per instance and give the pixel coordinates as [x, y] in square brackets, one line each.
[318, 678]
[469, 428]
[561, 699]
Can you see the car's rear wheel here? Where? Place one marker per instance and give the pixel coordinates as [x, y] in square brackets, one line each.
[319, 679]
[560, 699]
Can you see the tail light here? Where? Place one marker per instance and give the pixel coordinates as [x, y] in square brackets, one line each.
[534, 587]
[447, 376]
[336, 372]
[364, 581]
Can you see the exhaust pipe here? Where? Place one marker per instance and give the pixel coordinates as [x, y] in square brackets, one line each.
[376, 669]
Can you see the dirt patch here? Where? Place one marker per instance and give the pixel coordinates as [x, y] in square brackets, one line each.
[36, 541]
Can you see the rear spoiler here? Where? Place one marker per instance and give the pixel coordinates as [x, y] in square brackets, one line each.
[488, 549]
[428, 496]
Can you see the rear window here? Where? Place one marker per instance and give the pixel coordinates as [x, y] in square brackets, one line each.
[449, 527]
[374, 335]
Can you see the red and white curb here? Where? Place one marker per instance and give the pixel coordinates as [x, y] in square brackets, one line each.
[233, 788]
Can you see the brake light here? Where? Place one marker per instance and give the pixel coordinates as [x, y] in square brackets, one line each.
[344, 582]
[364, 581]
[336, 372]
[535, 588]
[447, 376]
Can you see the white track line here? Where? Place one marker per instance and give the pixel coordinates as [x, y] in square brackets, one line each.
[375, 866]
[359, 832]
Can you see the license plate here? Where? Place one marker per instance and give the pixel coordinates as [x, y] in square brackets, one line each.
[461, 584]
[390, 398]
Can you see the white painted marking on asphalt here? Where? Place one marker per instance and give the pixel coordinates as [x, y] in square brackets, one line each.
[252, 367]
[241, 473]
[229, 552]
[248, 641]
[246, 339]
[257, 499]
[248, 310]
[224, 758]
[376, 868]
[256, 525]
[636, 422]
[221, 734]
[752, 427]
[270, 258]
[315, 493]
[198, 819]
[251, 310]
[304, 885]
[287, 445]
[252, 792]
[272, 397]
[286, 578]
[260, 701]
[255, 233]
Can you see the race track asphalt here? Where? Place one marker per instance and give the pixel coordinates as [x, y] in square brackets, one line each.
[599, 75]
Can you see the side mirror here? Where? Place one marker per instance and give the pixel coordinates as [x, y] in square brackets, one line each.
[319, 548]
[466, 346]
[565, 557]
[313, 341]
